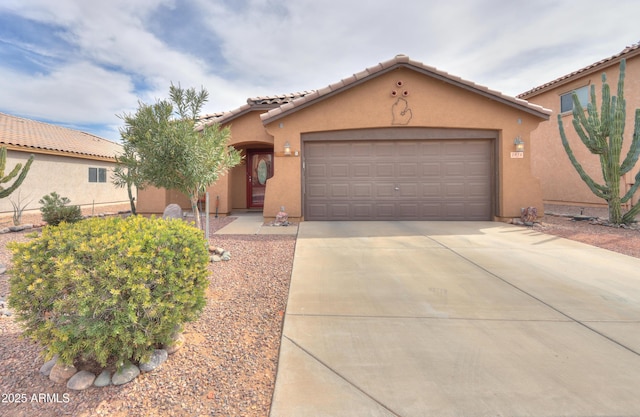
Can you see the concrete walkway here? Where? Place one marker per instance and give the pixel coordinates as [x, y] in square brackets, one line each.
[457, 319]
[252, 223]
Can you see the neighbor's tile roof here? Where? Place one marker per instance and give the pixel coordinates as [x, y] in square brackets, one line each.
[627, 52]
[384, 67]
[36, 136]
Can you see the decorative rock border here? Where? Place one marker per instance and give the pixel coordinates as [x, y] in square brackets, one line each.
[4, 305]
[79, 380]
[219, 254]
[20, 228]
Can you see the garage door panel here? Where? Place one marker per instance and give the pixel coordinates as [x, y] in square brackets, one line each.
[431, 211]
[409, 210]
[455, 210]
[337, 149]
[362, 149]
[455, 149]
[339, 210]
[453, 190]
[479, 169]
[317, 211]
[383, 149]
[407, 149]
[431, 169]
[339, 170]
[385, 211]
[454, 169]
[317, 191]
[316, 171]
[338, 191]
[408, 190]
[361, 170]
[384, 190]
[384, 170]
[386, 180]
[408, 170]
[362, 211]
[433, 190]
[362, 191]
[478, 189]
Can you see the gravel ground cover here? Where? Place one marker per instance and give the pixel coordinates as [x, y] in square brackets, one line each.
[226, 368]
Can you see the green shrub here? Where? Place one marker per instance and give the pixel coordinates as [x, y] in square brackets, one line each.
[108, 290]
[55, 210]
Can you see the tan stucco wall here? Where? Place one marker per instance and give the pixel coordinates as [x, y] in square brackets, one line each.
[67, 176]
[433, 103]
[560, 182]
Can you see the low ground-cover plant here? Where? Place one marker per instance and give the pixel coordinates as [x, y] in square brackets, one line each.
[108, 290]
[55, 210]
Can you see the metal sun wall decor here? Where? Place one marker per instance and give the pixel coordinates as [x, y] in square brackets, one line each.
[400, 112]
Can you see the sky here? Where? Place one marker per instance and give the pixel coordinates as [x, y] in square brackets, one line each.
[83, 64]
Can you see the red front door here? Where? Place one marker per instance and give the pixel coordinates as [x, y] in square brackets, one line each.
[259, 169]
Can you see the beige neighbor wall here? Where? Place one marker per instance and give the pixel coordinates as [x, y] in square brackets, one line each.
[229, 192]
[560, 182]
[433, 103]
[67, 176]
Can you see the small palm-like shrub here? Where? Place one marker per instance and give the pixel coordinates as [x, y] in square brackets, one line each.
[108, 290]
[55, 210]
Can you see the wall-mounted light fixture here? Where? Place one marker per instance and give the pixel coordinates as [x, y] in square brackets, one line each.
[519, 144]
[287, 149]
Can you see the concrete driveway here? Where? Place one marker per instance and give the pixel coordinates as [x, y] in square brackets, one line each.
[457, 319]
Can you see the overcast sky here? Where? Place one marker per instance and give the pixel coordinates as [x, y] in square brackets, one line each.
[80, 63]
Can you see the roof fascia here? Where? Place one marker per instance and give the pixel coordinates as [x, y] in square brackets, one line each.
[341, 86]
[589, 70]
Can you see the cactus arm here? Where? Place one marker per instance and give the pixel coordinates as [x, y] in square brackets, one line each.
[634, 150]
[597, 189]
[586, 130]
[11, 175]
[632, 190]
[23, 174]
[3, 160]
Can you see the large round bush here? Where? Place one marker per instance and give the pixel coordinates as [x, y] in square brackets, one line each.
[109, 290]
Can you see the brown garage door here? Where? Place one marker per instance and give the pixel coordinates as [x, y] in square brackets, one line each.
[398, 180]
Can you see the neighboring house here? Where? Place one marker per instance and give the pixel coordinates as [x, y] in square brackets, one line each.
[74, 164]
[560, 182]
[399, 140]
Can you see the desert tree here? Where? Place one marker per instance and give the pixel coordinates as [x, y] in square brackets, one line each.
[167, 151]
[603, 135]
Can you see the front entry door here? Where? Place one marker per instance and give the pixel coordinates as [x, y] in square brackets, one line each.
[259, 169]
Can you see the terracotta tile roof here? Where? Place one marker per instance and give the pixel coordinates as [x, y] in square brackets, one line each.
[384, 67]
[255, 103]
[277, 100]
[627, 52]
[33, 136]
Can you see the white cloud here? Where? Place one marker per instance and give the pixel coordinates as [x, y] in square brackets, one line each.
[79, 92]
[103, 56]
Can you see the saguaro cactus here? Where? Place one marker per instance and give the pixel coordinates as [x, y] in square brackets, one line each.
[5, 192]
[603, 136]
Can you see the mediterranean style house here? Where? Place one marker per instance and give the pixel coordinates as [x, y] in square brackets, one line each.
[74, 164]
[398, 141]
[560, 182]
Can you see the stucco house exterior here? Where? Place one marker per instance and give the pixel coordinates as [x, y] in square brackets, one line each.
[560, 182]
[398, 141]
[74, 164]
